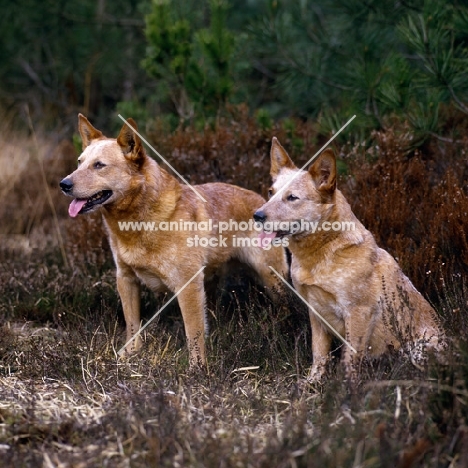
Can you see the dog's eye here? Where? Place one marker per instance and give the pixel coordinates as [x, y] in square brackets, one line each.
[78, 162]
[292, 197]
[99, 165]
[270, 193]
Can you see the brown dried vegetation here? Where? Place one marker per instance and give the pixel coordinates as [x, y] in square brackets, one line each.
[66, 400]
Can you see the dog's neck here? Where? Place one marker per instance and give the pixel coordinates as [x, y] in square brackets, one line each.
[154, 194]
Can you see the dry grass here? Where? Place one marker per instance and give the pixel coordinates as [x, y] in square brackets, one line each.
[25, 207]
[67, 401]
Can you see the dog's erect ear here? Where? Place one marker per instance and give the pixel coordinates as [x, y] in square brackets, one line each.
[130, 142]
[323, 172]
[87, 131]
[279, 159]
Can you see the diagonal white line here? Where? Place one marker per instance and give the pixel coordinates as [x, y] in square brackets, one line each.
[315, 156]
[312, 309]
[156, 152]
[122, 350]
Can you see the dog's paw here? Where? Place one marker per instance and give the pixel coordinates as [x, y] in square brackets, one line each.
[131, 349]
[316, 374]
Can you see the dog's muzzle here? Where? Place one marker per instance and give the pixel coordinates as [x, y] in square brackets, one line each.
[66, 185]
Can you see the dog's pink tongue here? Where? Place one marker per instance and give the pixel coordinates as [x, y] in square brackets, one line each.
[266, 238]
[75, 207]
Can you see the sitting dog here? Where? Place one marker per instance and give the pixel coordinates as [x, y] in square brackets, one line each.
[337, 267]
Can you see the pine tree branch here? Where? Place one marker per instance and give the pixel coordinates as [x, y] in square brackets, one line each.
[457, 100]
[298, 67]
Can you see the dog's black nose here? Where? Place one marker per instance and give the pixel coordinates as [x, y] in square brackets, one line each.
[66, 185]
[260, 216]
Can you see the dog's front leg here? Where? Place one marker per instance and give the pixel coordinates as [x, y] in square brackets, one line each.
[359, 329]
[128, 286]
[192, 306]
[321, 344]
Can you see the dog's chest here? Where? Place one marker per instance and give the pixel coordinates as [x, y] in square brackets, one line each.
[150, 267]
[150, 276]
[149, 279]
[324, 289]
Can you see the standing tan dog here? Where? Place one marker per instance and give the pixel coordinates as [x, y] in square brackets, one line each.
[338, 268]
[118, 177]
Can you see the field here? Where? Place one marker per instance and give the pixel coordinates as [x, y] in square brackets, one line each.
[66, 400]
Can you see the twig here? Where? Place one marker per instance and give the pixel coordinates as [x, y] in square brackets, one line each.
[416, 383]
[398, 402]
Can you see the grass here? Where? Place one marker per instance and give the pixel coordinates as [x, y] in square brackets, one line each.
[67, 401]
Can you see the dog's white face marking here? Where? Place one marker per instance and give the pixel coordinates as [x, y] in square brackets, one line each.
[286, 179]
[99, 150]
